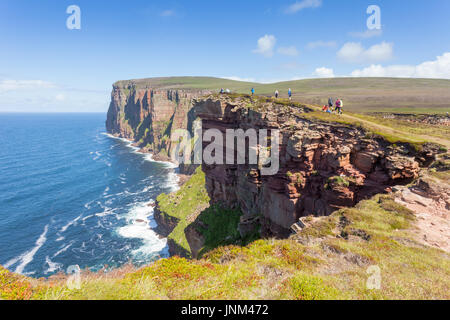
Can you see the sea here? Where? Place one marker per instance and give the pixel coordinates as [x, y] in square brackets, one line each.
[72, 195]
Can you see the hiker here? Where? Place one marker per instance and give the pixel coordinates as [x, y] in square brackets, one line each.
[338, 106]
[221, 91]
[330, 103]
[289, 93]
[276, 94]
[253, 91]
[342, 107]
[326, 109]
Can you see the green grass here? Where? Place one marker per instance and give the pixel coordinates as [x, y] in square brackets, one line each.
[190, 205]
[391, 134]
[439, 131]
[185, 205]
[337, 181]
[219, 227]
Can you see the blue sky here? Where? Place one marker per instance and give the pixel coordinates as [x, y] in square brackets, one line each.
[44, 66]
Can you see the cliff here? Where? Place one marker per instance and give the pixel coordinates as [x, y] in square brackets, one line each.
[148, 115]
[326, 162]
[324, 165]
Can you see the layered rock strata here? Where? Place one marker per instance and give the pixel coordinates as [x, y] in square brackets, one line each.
[324, 166]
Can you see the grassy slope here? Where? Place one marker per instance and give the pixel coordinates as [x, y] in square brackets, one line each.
[191, 203]
[394, 131]
[359, 94]
[185, 205]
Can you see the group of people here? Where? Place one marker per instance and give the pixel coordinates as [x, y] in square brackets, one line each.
[277, 93]
[330, 108]
[338, 106]
[222, 91]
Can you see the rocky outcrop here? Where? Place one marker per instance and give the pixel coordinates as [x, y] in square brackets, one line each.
[429, 199]
[324, 166]
[148, 115]
[166, 223]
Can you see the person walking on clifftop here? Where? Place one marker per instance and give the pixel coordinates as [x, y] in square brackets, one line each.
[290, 93]
[339, 105]
[330, 103]
[253, 92]
[276, 94]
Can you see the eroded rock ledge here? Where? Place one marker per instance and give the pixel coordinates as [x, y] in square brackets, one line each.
[324, 166]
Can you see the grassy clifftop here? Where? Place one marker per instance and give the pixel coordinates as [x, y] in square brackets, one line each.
[359, 94]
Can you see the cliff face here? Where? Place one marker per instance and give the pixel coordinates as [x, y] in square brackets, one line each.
[324, 166]
[148, 116]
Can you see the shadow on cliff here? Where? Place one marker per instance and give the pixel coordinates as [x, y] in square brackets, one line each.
[217, 226]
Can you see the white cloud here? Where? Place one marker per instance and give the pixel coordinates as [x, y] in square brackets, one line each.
[14, 85]
[380, 52]
[300, 5]
[321, 44]
[60, 97]
[266, 45]
[240, 79]
[439, 68]
[288, 51]
[354, 52]
[44, 96]
[367, 34]
[167, 13]
[324, 73]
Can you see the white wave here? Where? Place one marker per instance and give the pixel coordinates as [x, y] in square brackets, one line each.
[87, 217]
[97, 155]
[106, 211]
[140, 222]
[52, 266]
[63, 229]
[26, 257]
[147, 188]
[173, 181]
[64, 249]
[147, 156]
[88, 205]
[11, 262]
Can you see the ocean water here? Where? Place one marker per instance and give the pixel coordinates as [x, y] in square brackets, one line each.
[72, 195]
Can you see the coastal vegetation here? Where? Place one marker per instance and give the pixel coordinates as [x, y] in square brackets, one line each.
[329, 259]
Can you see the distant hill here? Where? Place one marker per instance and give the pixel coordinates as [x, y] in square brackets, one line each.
[359, 94]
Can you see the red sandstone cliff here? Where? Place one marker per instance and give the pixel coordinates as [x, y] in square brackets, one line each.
[147, 115]
[324, 166]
